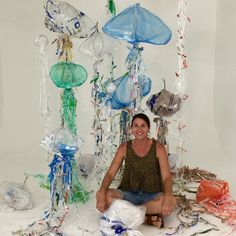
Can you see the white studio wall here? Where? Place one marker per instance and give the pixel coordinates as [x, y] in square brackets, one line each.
[208, 113]
[225, 89]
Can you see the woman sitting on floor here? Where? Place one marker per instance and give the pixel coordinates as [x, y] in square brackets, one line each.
[146, 179]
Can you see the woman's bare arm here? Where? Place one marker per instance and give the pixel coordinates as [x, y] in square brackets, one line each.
[108, 178]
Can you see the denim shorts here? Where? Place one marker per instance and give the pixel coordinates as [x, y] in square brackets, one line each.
[138, 197]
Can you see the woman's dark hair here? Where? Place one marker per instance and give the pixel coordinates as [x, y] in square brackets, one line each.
[141, 116]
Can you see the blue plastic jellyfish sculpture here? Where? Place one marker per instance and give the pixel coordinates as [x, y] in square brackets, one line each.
[136, 24]
[63, 177]
[123, 95]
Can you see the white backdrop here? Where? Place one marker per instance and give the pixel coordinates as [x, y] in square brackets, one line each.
[209, 113]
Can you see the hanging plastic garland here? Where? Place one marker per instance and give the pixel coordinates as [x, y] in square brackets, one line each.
[41, 42]
[182, 66]
[98, 45]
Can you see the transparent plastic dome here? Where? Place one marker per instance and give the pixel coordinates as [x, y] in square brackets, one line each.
[65, 142]
[63, 18]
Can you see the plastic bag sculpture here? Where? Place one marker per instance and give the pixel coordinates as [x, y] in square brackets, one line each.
[69, 22]
[98, 45]
[68, 75]
[62, 18]
[16, 196]
[63, 183]
[63, 177]
[123, 95]
[136, 24]
[163, 104]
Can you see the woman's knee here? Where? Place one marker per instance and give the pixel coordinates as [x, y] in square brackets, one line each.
[113, 194]
[174, 202]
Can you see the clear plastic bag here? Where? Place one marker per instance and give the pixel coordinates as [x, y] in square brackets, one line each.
[122, 218]
[16, 196]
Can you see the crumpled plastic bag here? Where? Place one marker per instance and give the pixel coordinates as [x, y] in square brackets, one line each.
[16, 196]
[212, 190]
[122, 218]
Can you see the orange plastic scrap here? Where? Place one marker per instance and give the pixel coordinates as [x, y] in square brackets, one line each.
[212, 190]
[214, 196]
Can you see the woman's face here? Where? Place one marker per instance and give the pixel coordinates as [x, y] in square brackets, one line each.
[139, 129]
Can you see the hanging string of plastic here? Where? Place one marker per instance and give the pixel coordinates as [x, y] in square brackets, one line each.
[163, 104]
[42, 41]
[98, 45]
[180, 80]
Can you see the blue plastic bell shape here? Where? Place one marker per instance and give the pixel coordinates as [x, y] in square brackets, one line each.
[136, 24]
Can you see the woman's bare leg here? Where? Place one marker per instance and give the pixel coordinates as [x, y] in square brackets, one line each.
[155, 206]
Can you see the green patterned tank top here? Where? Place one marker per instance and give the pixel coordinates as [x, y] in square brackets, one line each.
[141, 173]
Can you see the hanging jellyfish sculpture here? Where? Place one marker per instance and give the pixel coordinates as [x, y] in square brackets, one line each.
[69, 22]
[98, 45]
[65, 187]
[163, 104]
[67, 75]
[135, 25]
[63, 177]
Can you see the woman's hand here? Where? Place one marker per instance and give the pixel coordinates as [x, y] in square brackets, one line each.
[168, 204]
[101, 204]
